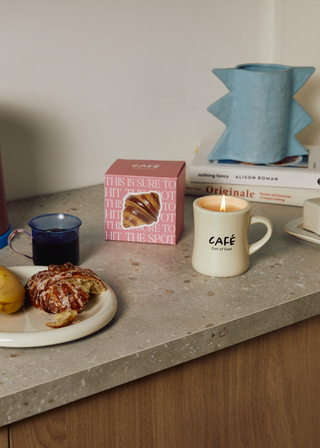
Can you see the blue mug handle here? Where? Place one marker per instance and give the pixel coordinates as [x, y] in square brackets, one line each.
[10, 238]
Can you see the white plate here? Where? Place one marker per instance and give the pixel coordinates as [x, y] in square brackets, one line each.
[296, 228]
[27, 327]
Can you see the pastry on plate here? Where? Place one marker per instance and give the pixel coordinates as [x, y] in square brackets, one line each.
[63, 288]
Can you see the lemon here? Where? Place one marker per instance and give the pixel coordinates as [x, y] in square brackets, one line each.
[12, 292]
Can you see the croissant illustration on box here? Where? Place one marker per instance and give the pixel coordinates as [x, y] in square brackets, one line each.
[141, 209]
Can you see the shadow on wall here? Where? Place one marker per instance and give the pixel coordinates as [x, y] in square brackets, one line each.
[308, 98]
[26, 138]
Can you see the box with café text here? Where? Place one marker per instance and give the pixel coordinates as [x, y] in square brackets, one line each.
[144, 201]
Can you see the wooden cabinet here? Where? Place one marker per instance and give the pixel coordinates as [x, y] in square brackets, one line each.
[4, 437]
[258, 394]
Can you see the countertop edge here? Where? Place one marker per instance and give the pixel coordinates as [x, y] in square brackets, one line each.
[64, 390]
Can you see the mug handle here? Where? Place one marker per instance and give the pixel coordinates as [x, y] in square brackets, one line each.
[10, 238]
[261, 219]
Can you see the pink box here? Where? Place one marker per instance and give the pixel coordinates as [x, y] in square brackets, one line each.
[144, 201]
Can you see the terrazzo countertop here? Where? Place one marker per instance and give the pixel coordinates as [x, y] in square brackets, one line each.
[167, 313]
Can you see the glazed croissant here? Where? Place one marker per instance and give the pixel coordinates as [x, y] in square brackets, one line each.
[63, 288]
[141, 209]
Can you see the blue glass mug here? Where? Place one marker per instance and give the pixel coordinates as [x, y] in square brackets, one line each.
[55, 239]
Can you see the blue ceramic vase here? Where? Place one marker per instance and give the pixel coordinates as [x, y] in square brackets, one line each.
[260, 113]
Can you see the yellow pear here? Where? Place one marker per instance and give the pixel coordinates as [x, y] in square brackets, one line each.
[12, 292]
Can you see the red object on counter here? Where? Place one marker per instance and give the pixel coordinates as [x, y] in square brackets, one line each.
[4, 222]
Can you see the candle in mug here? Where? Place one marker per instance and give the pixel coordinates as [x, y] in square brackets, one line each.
[221, 247]
[217, 208]
[222, 207]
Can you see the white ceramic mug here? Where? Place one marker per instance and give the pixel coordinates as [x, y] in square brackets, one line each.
[221, 247]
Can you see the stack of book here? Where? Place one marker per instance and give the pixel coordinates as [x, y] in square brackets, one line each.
[289, 182]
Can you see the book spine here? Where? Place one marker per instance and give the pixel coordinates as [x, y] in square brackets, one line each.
[253, 176]
[254, 193]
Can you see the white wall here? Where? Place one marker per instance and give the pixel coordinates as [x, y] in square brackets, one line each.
[84, 82]
[296, 43]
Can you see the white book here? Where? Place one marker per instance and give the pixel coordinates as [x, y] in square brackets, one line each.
[254, 193]
[234, 173]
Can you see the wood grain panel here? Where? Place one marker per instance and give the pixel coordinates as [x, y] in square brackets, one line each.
[261, 393]
[4, 440]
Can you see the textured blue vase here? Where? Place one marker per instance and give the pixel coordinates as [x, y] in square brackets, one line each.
[260, 113]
